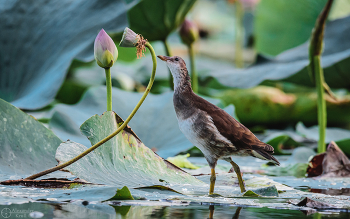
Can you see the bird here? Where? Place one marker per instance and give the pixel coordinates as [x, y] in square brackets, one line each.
[217, 134]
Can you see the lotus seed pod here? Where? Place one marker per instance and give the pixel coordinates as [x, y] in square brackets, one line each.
[129, 39]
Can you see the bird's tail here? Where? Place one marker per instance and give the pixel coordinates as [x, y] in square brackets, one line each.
[262, 154]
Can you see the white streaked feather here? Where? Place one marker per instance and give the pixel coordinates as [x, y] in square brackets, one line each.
[219, 136]
[192, 133]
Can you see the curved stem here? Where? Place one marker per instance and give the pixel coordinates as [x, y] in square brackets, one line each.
[168, 53]
[109, 89]
[150, 83]
[194, 77]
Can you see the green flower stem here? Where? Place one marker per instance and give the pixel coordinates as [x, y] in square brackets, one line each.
[109, 89]
[168, 53]
[316, 73]
[239, 35]
[194, 77]
[150, 83]
[321, 104]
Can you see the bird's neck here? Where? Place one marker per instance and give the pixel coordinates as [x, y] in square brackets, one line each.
[183, 95]
[182, 81]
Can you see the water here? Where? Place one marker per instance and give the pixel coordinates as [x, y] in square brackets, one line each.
[101, 211]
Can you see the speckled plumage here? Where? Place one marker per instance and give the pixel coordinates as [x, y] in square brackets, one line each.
[211, 129]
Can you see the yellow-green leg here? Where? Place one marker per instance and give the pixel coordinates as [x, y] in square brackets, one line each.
[239, 176]
[212, 181]
[211, 211]
[236, 215]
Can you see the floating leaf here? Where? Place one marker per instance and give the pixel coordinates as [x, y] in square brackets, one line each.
[265, 191]
[308, 202]
[122, 161]
[296, 165]
[158, 187]
[280, 140]
[122, 194]
[296, 169]
[182, 162]
[155, 122]
[340, 136]
[250, 193]
[332, 134]
[45, 183]
[26, 145]
[40, 39]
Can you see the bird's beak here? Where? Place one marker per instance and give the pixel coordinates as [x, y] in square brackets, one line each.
[164, 58]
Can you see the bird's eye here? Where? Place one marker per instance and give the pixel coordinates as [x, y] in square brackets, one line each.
[176, 59]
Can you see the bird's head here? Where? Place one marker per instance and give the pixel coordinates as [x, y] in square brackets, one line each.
[178, 69]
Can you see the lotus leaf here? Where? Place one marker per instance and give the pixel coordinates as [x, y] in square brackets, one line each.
[40, 39]
[123, 160]
[156, 19]
[281, 25]
[26, 145]
[291, 65]
[271, 106]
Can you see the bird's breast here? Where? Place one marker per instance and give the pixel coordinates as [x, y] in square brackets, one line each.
[193, 130]
[200, 130]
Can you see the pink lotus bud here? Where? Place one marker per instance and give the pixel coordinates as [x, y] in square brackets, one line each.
[105, 51]
[189, 32]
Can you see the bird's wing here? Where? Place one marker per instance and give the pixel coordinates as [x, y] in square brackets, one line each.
[240, 136]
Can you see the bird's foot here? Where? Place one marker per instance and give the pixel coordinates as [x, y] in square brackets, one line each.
[214, 195]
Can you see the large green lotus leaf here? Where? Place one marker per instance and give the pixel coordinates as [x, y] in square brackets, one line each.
[296, 164]
[122, 161]
[156, 19]
[155, 122]
[40, 39]
[332, 134]
[282, 24]
[280, 141]
[340, 136]
[291, 65]
[26, 145]
[271, 106]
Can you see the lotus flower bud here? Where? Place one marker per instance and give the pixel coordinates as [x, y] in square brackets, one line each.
[131, 39]
[105, 51]
[189, 32]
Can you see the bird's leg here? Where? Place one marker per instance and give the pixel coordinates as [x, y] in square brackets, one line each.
[239, 176]
[236, 215]
[212, 181]
[211, 211]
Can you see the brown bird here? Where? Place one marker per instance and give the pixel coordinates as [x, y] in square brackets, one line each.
[211, 129]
